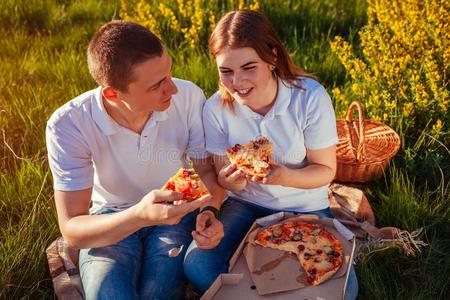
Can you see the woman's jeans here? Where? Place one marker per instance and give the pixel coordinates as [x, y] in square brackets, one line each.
[203, 266]
[144, 265]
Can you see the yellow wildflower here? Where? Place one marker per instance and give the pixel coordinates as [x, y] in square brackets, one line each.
[405, 62]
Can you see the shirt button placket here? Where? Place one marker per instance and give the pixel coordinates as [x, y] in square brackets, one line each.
[262, 128]
[144, 151]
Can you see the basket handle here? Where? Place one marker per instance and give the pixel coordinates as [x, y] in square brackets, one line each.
[348, 118]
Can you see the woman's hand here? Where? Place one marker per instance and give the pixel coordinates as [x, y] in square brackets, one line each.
[277, 175]
[319, 171]
[231, 178]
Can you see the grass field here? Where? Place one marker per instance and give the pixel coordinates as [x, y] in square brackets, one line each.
[43, 65]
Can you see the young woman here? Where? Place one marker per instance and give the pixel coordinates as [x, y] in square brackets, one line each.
[262, 93]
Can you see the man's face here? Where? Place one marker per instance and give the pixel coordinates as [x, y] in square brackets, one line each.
[152, 88]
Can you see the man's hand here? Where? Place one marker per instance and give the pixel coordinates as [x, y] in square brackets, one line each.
[155, 208]
[209, 230]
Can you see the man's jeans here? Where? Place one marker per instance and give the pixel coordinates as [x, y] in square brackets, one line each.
[203, 266]
[144, 265]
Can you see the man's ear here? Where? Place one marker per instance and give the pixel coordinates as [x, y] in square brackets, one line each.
[111, 94]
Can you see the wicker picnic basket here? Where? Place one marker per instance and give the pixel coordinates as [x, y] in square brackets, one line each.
[364, 148]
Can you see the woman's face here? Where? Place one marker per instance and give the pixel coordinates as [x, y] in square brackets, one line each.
[247, 77]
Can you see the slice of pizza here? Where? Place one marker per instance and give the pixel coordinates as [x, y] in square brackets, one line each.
[188, 183]
[252, 158]
[319, 252]
[322, 256]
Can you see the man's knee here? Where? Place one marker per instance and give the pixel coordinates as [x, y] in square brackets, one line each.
[109, 272]
[102, 279]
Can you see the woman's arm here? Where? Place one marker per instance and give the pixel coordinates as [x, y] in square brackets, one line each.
[319, 171]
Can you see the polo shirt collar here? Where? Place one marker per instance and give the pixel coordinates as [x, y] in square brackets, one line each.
[107, 125]
[280, 106]
[158, 116]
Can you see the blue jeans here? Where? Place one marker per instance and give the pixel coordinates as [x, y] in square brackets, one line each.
[203, 266]
[139, 266]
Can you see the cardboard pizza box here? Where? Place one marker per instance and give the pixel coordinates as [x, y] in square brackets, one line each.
[262, 273]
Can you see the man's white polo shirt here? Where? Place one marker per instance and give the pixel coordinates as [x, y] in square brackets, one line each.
[300, 119]
[87, 148]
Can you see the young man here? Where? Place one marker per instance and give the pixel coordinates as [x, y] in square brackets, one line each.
[115, 146]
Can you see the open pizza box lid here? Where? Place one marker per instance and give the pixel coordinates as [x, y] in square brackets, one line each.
[264, 273]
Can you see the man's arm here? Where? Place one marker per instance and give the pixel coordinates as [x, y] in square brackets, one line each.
[205, 168]
[208, 230]
[82, 230]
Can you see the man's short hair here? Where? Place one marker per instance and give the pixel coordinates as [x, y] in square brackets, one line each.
[116, 48]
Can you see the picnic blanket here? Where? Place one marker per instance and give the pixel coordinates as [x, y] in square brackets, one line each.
[351, 207]
[63, 267]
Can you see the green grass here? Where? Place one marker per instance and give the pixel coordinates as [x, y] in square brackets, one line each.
[42, 53]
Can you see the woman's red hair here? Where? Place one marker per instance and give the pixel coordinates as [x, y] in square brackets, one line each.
[249, 28]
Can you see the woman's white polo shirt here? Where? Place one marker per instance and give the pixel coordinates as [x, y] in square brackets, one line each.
[300, 119]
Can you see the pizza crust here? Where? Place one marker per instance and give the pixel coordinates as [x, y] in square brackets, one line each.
[326, 276]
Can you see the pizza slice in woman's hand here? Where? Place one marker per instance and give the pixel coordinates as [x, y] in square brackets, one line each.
[252, 158]
[188, 183]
